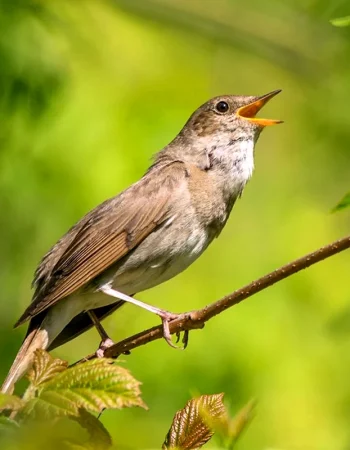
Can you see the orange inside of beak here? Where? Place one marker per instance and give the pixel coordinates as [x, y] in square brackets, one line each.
[248, 112]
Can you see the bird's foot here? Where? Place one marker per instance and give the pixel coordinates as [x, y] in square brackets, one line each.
[106, 343]
[166, 318]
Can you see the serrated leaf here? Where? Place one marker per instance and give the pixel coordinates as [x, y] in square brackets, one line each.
[45, 367]
[93, 385]
[11, 402]
[99, 436]
[344, 203]
[189, 430]
[341, 21]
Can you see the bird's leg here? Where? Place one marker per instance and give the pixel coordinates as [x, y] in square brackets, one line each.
[101, 331]
[165, 316]
[106, 340]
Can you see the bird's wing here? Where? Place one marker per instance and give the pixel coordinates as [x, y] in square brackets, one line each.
[105, 235]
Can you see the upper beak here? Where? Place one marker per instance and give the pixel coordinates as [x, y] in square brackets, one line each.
[249, 111]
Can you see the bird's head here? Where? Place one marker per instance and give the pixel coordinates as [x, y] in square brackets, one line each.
[229, 116]
[220, 137]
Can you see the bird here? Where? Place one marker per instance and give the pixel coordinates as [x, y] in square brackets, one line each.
[148, 233]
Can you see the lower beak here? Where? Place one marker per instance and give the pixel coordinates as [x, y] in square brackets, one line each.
[248, 112]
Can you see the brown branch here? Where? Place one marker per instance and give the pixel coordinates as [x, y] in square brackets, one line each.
[197, 319]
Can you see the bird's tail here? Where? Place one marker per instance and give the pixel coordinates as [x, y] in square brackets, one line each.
[36, 338]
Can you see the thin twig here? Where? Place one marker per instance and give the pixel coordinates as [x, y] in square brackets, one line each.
[197, 319]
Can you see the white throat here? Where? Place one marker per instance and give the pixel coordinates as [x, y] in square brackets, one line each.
[246, 166]
[235, 165]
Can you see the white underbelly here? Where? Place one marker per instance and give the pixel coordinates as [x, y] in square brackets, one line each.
[134, 276]
[147, 276]
[158, 258]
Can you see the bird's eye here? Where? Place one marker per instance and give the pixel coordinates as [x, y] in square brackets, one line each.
[222, 107]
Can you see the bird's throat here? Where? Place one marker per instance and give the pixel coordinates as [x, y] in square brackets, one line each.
[233, 166]
[244, 160]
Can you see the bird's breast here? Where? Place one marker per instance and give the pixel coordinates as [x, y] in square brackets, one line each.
[162, 255]
[197, 215]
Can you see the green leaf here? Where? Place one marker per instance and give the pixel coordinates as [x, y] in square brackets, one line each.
[240, 421]
[45, 367]
[189, 430]
[230, 429]
[99, 436]
[344, 203]
[341, 21]
[61, 433]
[11, 402]
[72, 446]
[7, 424]
[9, 430]
[92, 385]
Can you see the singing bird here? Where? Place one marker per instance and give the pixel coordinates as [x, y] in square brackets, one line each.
[148, 233]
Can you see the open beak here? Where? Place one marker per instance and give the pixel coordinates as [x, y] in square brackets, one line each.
[248, 112]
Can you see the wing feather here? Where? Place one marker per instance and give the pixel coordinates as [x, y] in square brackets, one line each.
[108, 233]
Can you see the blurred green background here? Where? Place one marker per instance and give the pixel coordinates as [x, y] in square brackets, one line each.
[89, 90]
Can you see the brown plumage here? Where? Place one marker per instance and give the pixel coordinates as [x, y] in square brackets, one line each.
[102, 238]
[148, 233]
